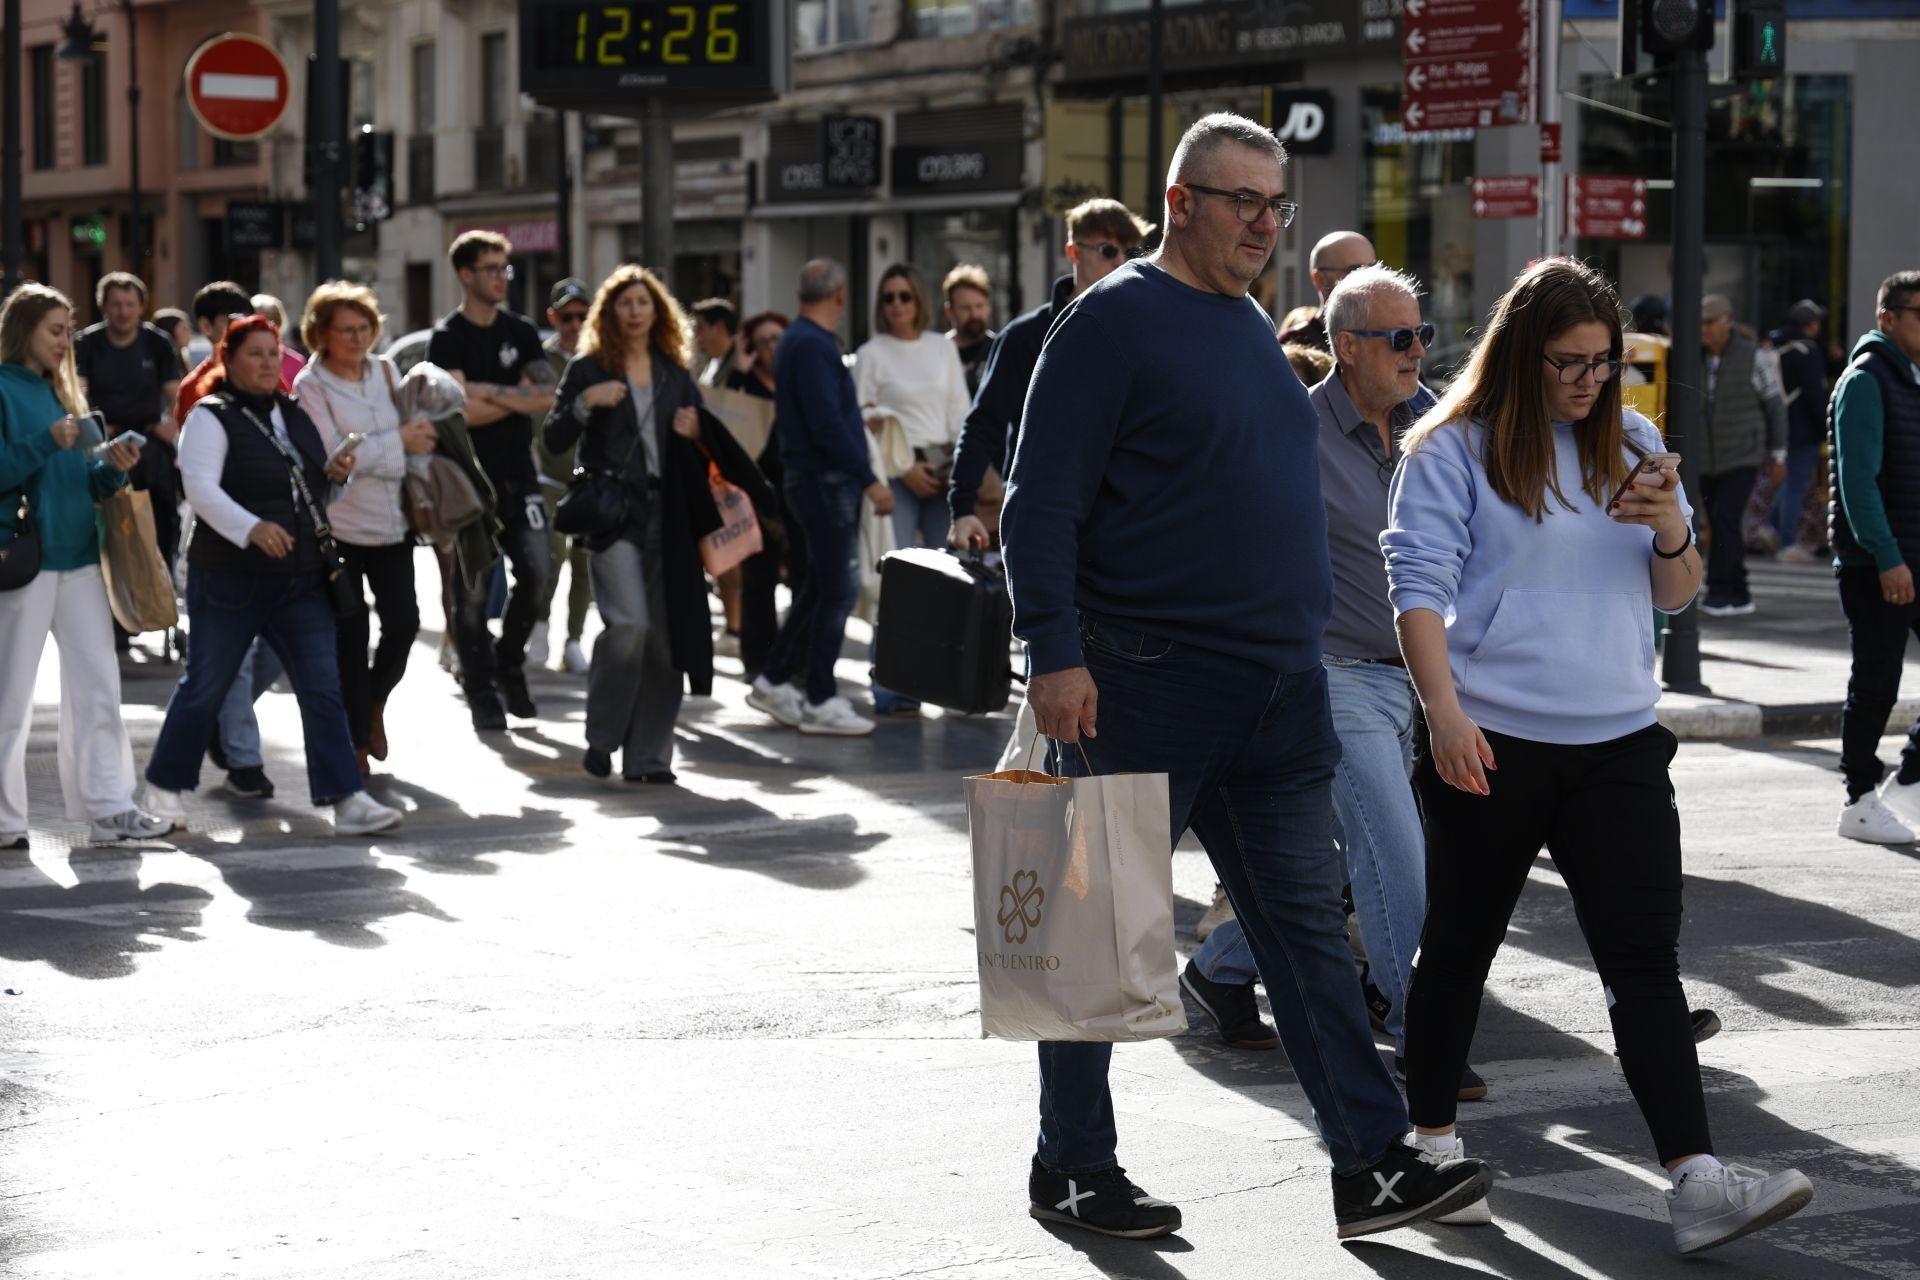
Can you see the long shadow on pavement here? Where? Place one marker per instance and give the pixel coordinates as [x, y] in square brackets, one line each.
[98, 927]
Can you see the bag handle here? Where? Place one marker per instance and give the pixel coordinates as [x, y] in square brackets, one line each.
[1032, 746]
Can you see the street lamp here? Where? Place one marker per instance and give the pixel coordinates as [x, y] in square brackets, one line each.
[84, 43]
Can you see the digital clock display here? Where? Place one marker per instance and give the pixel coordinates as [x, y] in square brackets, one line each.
[575, 49]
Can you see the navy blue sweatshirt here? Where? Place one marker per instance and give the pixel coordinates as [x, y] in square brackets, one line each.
[816, 411]
[1168, 477]
[992, 428]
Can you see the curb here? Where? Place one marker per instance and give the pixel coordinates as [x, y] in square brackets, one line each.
[1732, 721]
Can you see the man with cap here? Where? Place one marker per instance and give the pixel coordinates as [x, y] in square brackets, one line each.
[1746, 426]
[567, 313]
[1803, 380]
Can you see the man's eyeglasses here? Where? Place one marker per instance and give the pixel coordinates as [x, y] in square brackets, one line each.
[571, 317]
[1248, 204]
[1571, 371]
[504, 270]
[1898, 310]
[1105, 248]
[1402, 338]
[888, 299]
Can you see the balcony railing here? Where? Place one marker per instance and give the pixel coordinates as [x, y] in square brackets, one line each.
[489, 158]
[420, 169]
[542, 168]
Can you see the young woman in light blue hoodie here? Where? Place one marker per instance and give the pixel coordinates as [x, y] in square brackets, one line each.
[1524, 596]
[43, 462]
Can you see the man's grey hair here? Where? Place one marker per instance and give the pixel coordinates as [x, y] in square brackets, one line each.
[821, 279]
[1350, 305]
[1193, 158]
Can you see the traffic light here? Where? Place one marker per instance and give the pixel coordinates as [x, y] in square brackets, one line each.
[372, 176]
[1759, 39]
[1668, 26]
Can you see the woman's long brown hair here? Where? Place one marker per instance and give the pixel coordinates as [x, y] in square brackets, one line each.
[605, 340]
[1503, 388]
[26, 307]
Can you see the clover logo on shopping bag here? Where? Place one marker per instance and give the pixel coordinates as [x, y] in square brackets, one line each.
[1020, 904]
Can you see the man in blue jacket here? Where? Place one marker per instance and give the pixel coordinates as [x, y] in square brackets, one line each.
[823, 449]
[1166, 550]
[1873, 521]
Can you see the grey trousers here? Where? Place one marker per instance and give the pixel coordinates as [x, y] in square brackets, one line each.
[633, 690]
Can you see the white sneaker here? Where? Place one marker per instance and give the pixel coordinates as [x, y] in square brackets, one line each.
[1796, 554]
[781, 701]
[1714, 1206]
[537, 646]
[130, 825]
[1218, 914]
[836, 717]
[169, 807]
[1870, 819]
[361, 815]
[1902, 801]
[1430, 1151]
[1730, 610]
[573, 660]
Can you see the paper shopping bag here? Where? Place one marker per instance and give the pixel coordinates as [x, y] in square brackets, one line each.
[739, 533]
[1073, 907]
[139, 587]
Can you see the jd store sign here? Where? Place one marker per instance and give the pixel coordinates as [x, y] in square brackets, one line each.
[1303, 120]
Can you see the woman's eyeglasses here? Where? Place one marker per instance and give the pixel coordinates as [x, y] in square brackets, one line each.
[888, 299]
[1106, 249]
[1247, 205]
[1571, 371]
[1401, 338]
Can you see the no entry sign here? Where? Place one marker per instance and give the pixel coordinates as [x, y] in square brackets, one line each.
[237, 86]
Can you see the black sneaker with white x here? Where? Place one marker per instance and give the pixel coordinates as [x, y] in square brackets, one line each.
[1402, 1188]
[1105, 1202]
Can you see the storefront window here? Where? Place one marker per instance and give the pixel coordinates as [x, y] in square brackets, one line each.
[929, 18]
[1778, 198]
[939, 242]
[825, 24]
[1416, 208]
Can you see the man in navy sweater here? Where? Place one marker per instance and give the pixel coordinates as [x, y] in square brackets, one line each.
[1166, 549]
[823, 449]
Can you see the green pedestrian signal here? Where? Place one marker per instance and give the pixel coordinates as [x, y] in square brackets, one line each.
[1759, 39]
[1770, 44]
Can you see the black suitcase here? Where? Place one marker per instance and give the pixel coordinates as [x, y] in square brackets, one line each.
[945, 627]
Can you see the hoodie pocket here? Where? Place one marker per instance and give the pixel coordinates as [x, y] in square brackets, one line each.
[1584, 653]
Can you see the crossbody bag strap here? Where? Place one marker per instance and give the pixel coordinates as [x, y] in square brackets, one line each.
[322, 531]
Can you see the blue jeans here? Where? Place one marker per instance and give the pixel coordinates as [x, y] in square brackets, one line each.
[1785, 516]
[239, 730]
[826, 504]
[1250, 756]
[291, 613]
[1373, 799]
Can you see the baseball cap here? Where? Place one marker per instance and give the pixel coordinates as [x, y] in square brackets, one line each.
[1806, 311]
[569, 290]
[1715, 305]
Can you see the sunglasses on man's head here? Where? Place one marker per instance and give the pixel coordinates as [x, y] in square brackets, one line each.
[890, 298]
[1106, 249]
[1402, 338]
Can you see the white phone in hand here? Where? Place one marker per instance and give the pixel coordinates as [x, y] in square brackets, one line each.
[350, 442]
[133, 438]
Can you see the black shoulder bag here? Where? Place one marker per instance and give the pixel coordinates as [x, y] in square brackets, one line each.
[598, 503]
[340, 589]
[20, 559]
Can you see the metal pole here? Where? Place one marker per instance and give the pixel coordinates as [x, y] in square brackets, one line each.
[1550, 184]
[1156, 74]
[133, 140]
[656, 189]
[13, 226]
[1685, 366]
[327, 146]
[564, 205]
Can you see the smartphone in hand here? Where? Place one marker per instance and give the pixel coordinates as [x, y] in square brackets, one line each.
[133, 438]
[348, 444]
[1649, 465]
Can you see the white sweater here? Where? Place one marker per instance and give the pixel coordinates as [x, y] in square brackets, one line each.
[922, 382]
[368, 512]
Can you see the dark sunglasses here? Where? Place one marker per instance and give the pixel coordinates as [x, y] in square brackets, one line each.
[1106, 249]
[1571, 371]
[572, 317]
[1402, 338]
[888, 299]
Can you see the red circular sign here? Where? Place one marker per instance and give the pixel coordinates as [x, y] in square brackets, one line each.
[237, 86]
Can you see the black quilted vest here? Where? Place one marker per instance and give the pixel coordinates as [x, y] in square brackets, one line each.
[257, 477]
[1899, 480]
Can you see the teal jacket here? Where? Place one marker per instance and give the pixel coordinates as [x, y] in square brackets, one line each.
[62, 485]
[1859, 443]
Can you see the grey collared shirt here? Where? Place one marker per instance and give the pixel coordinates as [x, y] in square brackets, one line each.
[1354, 474]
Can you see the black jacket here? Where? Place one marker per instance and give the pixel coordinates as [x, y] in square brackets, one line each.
[257, 477]
[1803, 376]
[992, 427]
[687, 510]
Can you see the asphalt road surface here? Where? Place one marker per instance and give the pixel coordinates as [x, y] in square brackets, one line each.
[560, 1028]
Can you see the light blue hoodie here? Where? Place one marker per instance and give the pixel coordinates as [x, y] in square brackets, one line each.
[1549, 624]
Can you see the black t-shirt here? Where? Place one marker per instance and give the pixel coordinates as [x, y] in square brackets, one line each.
[497, 354]
[124, 382]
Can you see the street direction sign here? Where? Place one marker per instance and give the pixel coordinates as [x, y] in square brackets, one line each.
[1607, 208]
[237, 86]
[1467, 63]
[1515, 196]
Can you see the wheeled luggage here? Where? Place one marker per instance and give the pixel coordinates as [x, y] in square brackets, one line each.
[945, 627]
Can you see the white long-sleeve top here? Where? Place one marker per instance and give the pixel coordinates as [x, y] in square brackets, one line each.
[921, 381]
[369, 511]
[203, 457]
